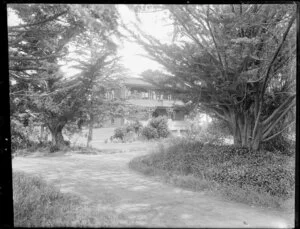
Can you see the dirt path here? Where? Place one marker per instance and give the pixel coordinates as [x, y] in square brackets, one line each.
[107, 181]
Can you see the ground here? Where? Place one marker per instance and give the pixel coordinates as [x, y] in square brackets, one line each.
[105, 179]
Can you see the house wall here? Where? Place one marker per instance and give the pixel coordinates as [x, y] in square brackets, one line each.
[178, 115]
[138, 93]
[160, 112]
[162, 102]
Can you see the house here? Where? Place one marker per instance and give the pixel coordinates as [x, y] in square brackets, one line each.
[138, 92]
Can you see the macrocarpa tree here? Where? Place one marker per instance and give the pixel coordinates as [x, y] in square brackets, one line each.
[36, 47]
[100, 70]
[235, 61]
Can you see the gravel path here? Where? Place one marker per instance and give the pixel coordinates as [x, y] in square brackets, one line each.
[106, 180]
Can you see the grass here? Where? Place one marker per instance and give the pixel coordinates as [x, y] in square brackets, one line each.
[45, 150]
[38, 204]
[263, 179]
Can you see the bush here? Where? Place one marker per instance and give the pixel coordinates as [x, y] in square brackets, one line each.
[157, 128]
[150, 132]
[128, 132]
[280, 143]
[120, 132]
[38, 146]
[264, 173]
[54, 148]
[214, 132]
[135, 127]
[161, 125]
[19, 136]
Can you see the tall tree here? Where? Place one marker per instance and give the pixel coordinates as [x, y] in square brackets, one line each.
[235, 61]
[36, 47]
[100, 73]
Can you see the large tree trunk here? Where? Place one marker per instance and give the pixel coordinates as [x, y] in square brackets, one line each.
[249, 128]
[56, 134]
[241, 125]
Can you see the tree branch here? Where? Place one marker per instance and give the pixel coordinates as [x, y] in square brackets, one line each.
[16, 58]
[19, 69]
[276, 54]
[268, 73]
[11, 28]
[275, 112]
[196, 40]
[268, 130]
[214, 40]
[274, 135]
[218, 113]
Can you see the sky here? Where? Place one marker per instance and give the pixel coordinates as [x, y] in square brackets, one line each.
[130, 52]
[152, 24]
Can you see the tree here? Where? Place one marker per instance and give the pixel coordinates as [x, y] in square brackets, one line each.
[35, 48]
[234, 61]
[99, 73]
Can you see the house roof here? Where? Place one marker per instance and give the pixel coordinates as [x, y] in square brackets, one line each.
[138, 82]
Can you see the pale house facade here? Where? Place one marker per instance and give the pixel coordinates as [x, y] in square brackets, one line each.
[139, 92]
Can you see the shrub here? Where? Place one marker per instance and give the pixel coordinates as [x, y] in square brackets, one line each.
[264, 173]
[54, 148]
[38, 146]
[129, 128]
[128, 132]
[214, 132]
[120, 132]
[280, 143]
[161, 125]
[134, 127]
[156, 128]
[150, 132]
[19, 136]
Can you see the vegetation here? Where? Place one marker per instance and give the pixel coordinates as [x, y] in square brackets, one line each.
[236, 62]
[38, 47]
[129, 132]
[99, 74]
[150, 132]
[214, 132]
[261, 178]
[38, 204]
[156, 128]
[160, 125]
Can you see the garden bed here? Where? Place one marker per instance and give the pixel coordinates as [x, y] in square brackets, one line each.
[256, 178]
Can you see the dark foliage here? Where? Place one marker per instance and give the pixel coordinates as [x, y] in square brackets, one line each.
[135, 127]
[54, 148]
[228, 165]
[150, 132]
[160, 124]
[280, 143]
[122, 132]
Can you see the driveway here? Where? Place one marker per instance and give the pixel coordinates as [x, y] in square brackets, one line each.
[106, 180]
